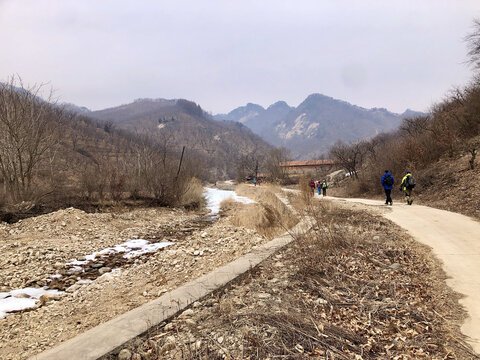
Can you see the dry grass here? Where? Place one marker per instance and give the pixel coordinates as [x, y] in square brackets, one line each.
[270, 217]
[193, 197]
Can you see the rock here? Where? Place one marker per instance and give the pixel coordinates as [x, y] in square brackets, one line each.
[58, 265]
[220, 339]
[204, 234]
[196, 304]
[188, 312]
[125, 354]
[104, 270]
[97, 265]
[376, 238]
[46, 298]
[263, 295]
[395, 266]
[22, 296]
[320, 301]
[170, 344]
[81, 258]
[169, 327]
[136, 357]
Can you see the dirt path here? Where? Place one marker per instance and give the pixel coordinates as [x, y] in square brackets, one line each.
[455, 240]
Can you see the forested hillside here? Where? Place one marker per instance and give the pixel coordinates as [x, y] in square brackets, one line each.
[51, 157]
[178, 123]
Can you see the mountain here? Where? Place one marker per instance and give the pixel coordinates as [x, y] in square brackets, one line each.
[317, 123]
[184, 123]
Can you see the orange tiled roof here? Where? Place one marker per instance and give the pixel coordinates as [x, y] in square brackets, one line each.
[306, 163]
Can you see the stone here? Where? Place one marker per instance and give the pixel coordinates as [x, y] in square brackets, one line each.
[320, 301]
[395, 266]
[136, 357]
[263, 295]
[98, 265]
[22, 296]
[169, 327]
[46, 298]
[188, 312]
[170, 344]
[104, 270]
[125, 354]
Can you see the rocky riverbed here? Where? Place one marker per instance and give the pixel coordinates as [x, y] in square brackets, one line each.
[43, 251]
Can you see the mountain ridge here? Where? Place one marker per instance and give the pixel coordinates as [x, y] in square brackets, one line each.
[310, 128]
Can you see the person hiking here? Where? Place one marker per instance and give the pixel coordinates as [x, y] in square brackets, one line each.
[255, 181]
[408, 183]
[387, 183]
[312, 186]
[324, 187]
[319, 187]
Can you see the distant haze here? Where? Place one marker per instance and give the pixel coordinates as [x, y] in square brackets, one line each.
[224, 53]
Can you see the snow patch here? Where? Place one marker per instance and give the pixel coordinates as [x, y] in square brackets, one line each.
[22, 299]
[215, 196]
[131, 248]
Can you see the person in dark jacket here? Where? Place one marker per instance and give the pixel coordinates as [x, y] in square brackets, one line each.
[387, 183]
[324, 187]
[408, 183]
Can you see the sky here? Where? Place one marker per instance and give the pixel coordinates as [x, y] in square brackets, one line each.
[224, 53]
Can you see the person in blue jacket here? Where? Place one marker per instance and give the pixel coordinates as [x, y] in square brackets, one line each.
[387, 183]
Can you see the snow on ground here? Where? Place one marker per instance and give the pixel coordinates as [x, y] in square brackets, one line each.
[21, 299]
[131, 248]
[216, 196]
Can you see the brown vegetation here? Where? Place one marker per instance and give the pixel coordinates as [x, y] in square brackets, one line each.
[50, 158]
[269, 216]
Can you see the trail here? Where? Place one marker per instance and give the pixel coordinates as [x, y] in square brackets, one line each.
[455, 240]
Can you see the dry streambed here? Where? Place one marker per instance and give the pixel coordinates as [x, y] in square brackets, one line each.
[63, 251]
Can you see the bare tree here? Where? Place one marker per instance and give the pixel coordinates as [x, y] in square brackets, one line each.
[27, 134]
[350, 156]
[272, 164]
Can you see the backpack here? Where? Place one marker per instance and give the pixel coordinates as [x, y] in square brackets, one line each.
[388, 181]
[410, 183]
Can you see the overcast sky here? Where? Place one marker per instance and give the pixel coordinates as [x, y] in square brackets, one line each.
[223, 54]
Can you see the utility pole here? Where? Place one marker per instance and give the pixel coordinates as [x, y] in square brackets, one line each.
[180, 164]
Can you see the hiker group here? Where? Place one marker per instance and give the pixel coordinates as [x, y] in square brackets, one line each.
[321, 187]
[407, 185]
